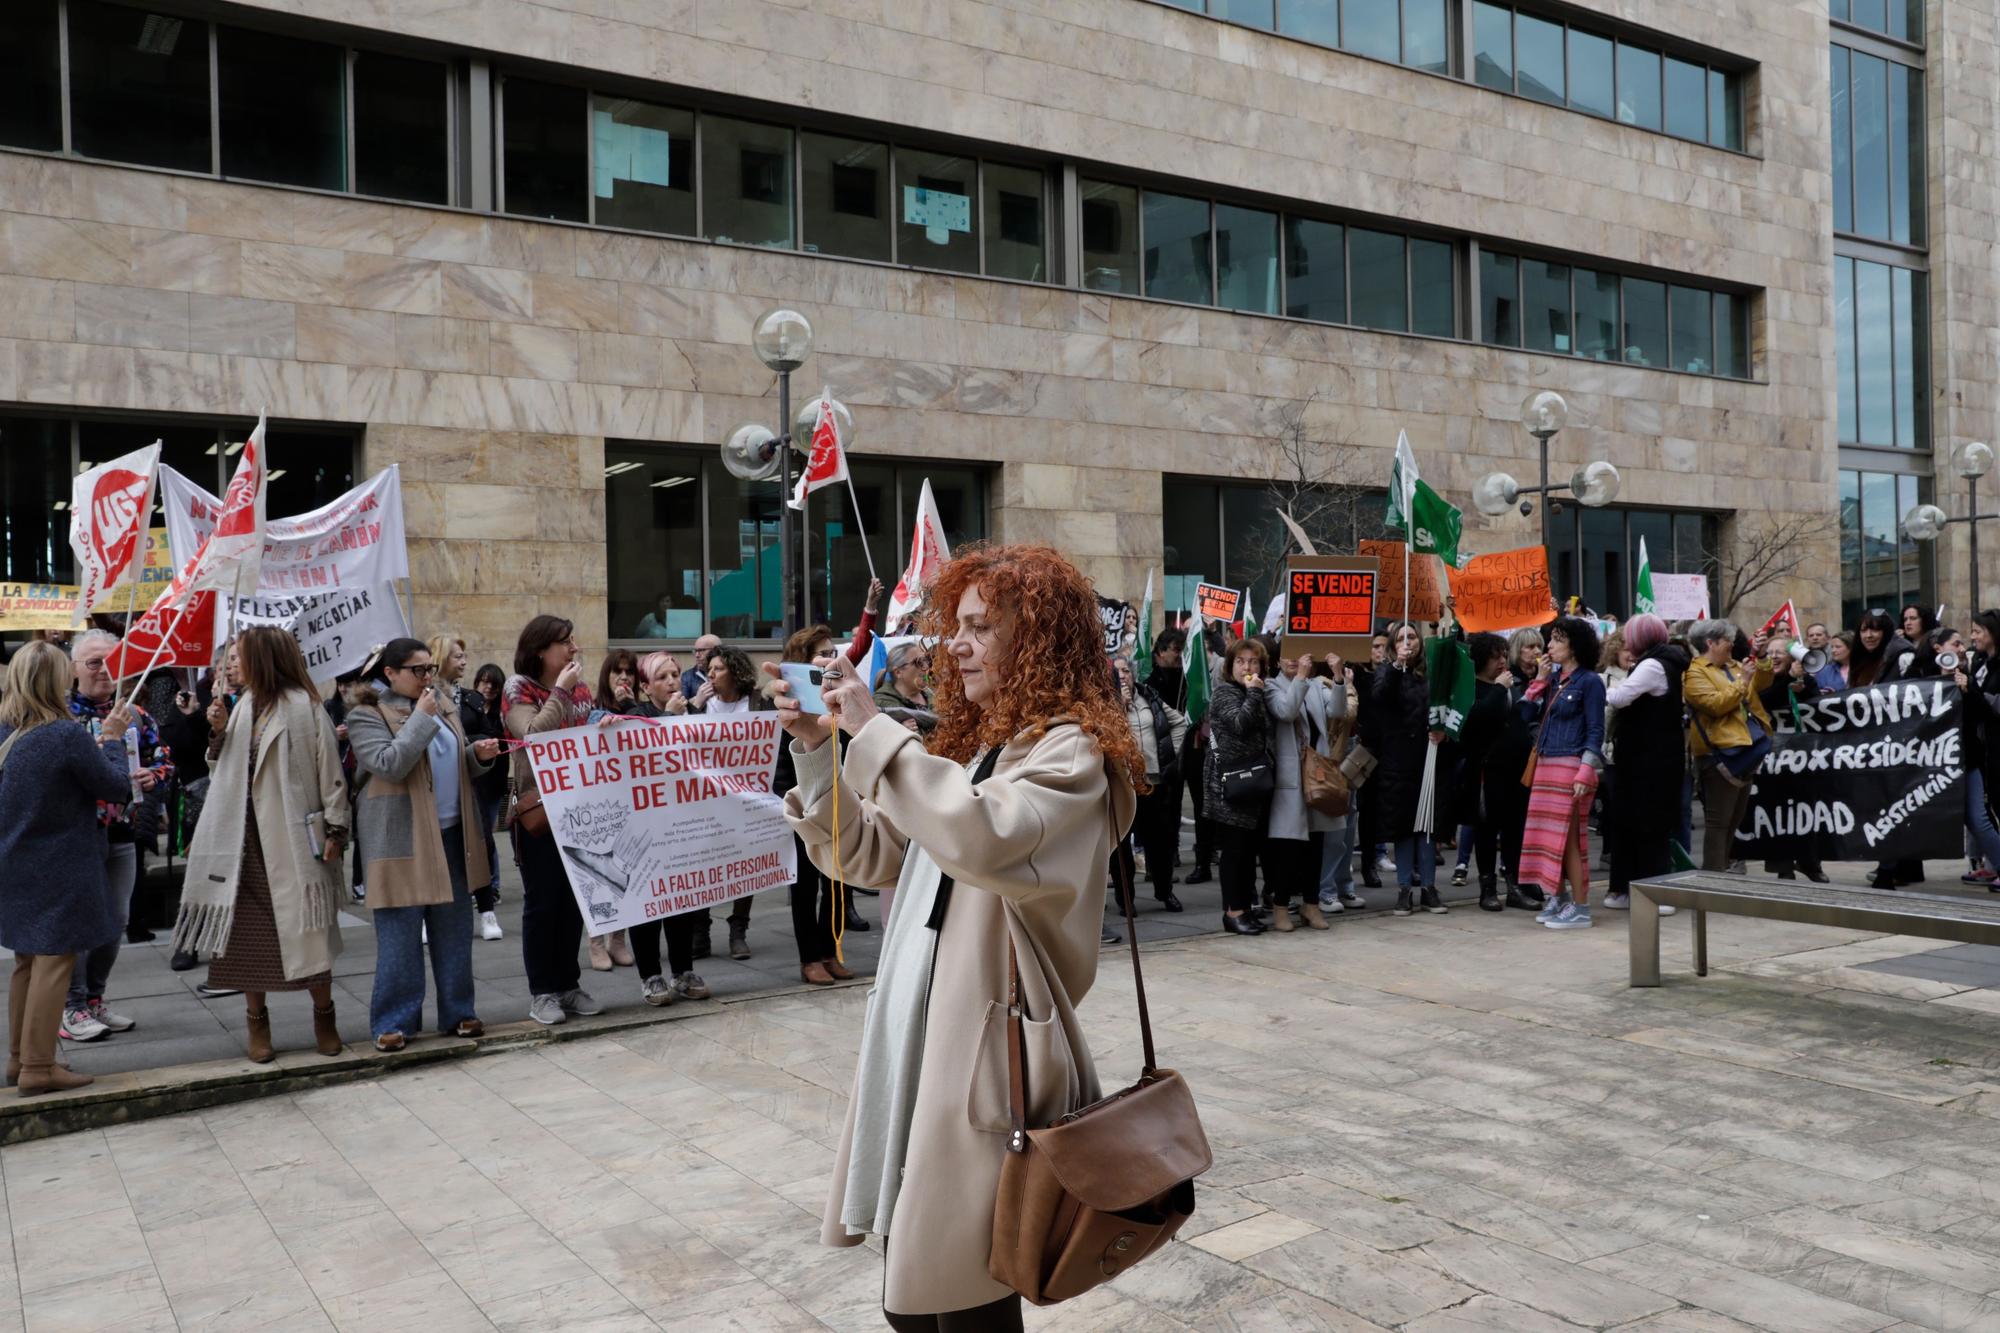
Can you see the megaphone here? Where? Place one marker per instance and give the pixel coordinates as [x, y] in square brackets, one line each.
[1947, 662]
[1812, 660]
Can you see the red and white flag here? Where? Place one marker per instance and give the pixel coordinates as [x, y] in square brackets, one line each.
[164, 636]
[827, 464]
[928, 552]
[1787, 617]
[109, 510]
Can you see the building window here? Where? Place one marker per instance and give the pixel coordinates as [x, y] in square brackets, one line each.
[402, 128]
[692, 550]
[641, 166]
[1493, 45]
[282, 109]
[1639, 87]
[1550, 306]
[34, 479]
[1881, 567]
[846, 194]
[935, 211]
[1406, 32]
[1316, 270]
[139, 89]
[1110, 218]
[1229, 532]
[1593, 79]
[1177, 265]
[1594, 553]
[746, 182]
[1901, 19]
[1878, 148]
[1016, 222]
[1880, 323]
[544, 160]
[30, 76]
[1246, 259]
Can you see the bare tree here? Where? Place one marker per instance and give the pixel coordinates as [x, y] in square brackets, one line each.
[1759, 552]
[1319, 484]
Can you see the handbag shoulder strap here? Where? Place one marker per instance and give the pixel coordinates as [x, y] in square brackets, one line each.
[1017, 1073]
[1547, 709]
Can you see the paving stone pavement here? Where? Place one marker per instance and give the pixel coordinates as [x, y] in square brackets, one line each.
[1432, 1124]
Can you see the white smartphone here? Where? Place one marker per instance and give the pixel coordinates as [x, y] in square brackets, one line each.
[805, 679]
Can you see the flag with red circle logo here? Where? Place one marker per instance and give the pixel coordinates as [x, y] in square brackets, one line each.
[110, 507]
[827, 463]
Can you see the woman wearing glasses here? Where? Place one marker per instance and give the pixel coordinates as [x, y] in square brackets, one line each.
[903, 683]
[416, 776]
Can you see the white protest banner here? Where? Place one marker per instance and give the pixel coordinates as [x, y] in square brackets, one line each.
[355, 540]
[1680, 596]
[336, 630]
[659, 816]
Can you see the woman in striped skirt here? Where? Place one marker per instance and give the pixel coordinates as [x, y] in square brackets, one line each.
[1566, 706]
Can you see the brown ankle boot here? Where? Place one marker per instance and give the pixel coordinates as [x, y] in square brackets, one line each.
[41, 1020]
[325, 1035]
[815, 974]
[258, 1046]
[834, 969]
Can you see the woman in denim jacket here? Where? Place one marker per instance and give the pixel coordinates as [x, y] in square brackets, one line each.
[1566, 705]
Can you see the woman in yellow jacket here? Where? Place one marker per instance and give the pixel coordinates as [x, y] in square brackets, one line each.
[1729, 733]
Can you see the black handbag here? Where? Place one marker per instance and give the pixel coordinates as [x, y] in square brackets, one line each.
[1250, 782]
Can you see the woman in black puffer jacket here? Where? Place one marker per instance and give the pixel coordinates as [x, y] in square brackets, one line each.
[1239, 740]
[1396, 730]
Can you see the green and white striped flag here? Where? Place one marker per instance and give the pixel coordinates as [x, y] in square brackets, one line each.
[1142, 664]
[1642, 596]
[1420, 514]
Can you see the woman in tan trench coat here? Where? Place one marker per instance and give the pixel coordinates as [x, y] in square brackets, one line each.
[1010, 849]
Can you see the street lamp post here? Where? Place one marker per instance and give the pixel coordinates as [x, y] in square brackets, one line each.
[1595, 484]
[1926, 523]
[783, 340]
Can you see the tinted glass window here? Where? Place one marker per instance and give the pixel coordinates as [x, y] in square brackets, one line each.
[138, 86]
[1912, 329]
[1693, 313]
[1499, 299]
[1843, 140]
[1256, 13]
[1545, 306]
[1424, 42]
[1874, 327]
[1590, 76]
[1380, 279]
[1538, 58]
[936, 210]
[1315, 270]
[1433, 289]
[401, 128]
[652, 529]
[1177, 248]
[746, 182]
[1371, 28]
[283, 109]
[1687, 99]
[1016, 222]
[1906, 155]
[309, 468]
[1493, 45]
[1725, 110]
[846, 196]
[1596, 297]
[1732, 335]
[1645, 322]
[34, 475]
[1312, 20]
[30, 76]
[1246, 259]
[1639, 86]
[1110, 237]
[1844, 348]
[642, 165]
[545, 157]
[1869, 97]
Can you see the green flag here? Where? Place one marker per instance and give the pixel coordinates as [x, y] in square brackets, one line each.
[1142, 665]
[1448, 668]
[1194, 661]
[1681, 859]
[1249, 617]
[1429, 524]
[1642, 596]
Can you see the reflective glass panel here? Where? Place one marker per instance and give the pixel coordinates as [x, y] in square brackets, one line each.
[743, 576]
[402, 130]
[545, 157]
[1874, 325]
[1645, 322]
[652, 526]
[746, 182]
[283, 108]
[1687, 99]
[1639, 86]
[30, 76]
[1870, 98]
[1424, 42]
[1879, 541]
[1246, 259]
[1590, 73]
[1311, 20]
[1499, 299]
[1371, 28]
[642, 165]
[1870, 14]
[1732, 335]
[1190, 520]
[1256, 13]
[1545, 306]
[1433, 288]
[1538, 58]
[1853, 603]
[1911, 333]
[1906, 155]
[1493, 45]
[1843, 140]
[1315, 271]
[309, 468]
[1597, 315]
[1016, 222]
[839, 582]
[138, 86]
[845, 189]
[1177, 248]
[34, 477]
[1693, 313]
[936, 210]
[1725, 110]
[1844, 349]
[1110, 237]
[1379, 277]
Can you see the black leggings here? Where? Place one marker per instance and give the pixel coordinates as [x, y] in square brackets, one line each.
[1239, 866]
[1001, 1316]
[812, 910]
[679, 931]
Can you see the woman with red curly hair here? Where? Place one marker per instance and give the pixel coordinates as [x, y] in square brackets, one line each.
[995, 832]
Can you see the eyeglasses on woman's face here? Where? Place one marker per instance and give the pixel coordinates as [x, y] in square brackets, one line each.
[421, 670]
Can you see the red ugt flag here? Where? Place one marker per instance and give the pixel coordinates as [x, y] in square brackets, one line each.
[827, 464]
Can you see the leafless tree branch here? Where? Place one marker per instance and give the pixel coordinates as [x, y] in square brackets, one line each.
[1757, 553]
[1322, 484]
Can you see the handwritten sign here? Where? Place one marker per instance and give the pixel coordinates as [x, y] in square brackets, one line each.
[1117, 618]
[1681, 596]
[1217, 603]
[1426, 596]
[1330, 603]
[1504, 591]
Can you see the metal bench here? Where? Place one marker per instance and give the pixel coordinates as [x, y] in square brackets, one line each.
[1959, 919]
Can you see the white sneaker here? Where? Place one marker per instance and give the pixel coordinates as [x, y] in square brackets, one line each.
[489, 926]
[547, 1010]
[1385, 865]
[1666, 910]
[1617, 902]
[78, 1025]
[1330, 905]
[111, 1018]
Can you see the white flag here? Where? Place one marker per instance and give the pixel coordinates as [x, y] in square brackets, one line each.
[232, 554]
[353, 541]
[928, 553]
[826, 465]
[109, 511]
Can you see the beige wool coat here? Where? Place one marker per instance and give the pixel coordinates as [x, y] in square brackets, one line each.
[401, 843]
[293, 773]
[1028, 848]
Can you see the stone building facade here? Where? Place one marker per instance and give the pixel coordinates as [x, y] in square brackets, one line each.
[509, 363]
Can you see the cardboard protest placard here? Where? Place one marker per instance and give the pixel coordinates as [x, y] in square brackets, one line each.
[1426, 595]
[337, 630]
[658, 816]
[32, 606]
[1680, 596]
[1218, 604]
[1330, 603]
[1507, 590]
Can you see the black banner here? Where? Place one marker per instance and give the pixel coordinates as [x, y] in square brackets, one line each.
[1117, 618]
[1869, 774]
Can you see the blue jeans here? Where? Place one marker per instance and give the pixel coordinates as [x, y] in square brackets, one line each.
[1416, 862]
[1466, 834]
[487, 896]
[397, 1004]
[1980, 819]
[1336, 862]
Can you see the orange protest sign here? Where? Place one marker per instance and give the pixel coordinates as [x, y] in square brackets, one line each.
[1218, 604]
[1330, 605]
[1503, 591]
[1426, 597]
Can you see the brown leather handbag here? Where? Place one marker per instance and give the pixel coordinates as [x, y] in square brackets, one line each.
[1321, 780]
[1087, 1197]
